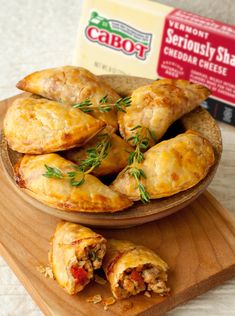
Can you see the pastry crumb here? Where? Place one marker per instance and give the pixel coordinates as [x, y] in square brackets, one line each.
[98, 299]
[147, 294]
[100, 280]
[109, 301]
[46, 271]
[94, 299]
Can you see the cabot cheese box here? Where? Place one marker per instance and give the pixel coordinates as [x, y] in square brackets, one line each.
[148, 39]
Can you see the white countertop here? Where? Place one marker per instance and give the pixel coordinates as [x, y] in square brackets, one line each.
[40, 34]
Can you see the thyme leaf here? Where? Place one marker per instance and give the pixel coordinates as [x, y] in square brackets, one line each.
[84, 106]
[52, 172]
[144, 195]
[77, 183]
[104, 99]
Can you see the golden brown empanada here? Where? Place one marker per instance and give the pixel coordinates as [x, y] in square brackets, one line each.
[132, 269]
[75, 253]
[37, 126]
[114, 162]
[91, 196]
[158, 105]
[171, 166]
[72, 85]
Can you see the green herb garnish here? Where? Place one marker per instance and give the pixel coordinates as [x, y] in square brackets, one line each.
[104, 105]
[141, 143]
[94, 158]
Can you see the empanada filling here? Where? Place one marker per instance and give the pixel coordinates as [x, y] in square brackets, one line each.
[80, 273]
[81, 269]
[142, 278]
[96, 253]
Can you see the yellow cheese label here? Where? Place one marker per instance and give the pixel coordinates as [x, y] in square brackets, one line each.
[121, 37]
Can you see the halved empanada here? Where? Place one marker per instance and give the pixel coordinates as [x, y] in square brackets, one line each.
[114, 162]
[75, 253]
[158, 105]
[91, 196]
[132, 269]
[171, 166]
[37, 125]
[72, 85]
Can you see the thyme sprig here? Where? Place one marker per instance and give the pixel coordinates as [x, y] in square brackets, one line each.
[104, 105]
[141, 143]
[94, 158]
[96, 154]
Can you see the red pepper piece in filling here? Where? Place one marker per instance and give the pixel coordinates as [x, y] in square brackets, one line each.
[137, 277]
[79, 274]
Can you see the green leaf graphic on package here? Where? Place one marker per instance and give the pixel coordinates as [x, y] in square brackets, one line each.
[118, 35]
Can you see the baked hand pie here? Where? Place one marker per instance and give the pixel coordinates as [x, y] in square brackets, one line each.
[37, 126]
[72, 85]
[171, 166]
[114, 162]
[47, 178]
[156, 106]
[75, 253]
[132, 269]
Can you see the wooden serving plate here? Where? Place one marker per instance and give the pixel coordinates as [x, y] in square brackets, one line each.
[199, 120]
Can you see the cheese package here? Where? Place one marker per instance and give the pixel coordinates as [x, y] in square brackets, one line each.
[148, 39]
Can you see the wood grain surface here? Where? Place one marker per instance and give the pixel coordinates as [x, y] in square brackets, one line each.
[194, 256]
[198, 243]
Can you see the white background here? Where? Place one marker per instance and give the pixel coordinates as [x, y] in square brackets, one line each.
[39, 34]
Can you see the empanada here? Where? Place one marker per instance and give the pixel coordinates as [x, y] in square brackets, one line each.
[72, 85]
[171, 166]
[114, 162]
[75, 253]
[158, 105]
[91, 196]
[132, 269]
[37, 126]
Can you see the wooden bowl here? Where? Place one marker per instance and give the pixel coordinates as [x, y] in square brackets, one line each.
[199, 120]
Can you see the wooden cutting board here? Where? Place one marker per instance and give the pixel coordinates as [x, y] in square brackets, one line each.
[198, 243]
